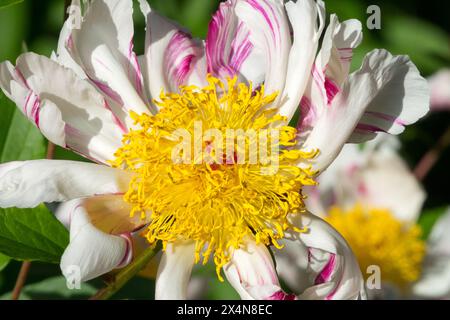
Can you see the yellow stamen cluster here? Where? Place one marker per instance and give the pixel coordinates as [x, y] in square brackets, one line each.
[214, 204]
[378, 238]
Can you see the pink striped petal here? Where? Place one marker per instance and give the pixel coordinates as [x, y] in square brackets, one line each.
[330, 69]
[68, 110]
[227, 43]
[307, 20]
[401, 97]
[172, 58]
[328, 264]
[181, 54]
[103, 47]
[326, 273]
[270, 36]
[386, 94]
[252, 274]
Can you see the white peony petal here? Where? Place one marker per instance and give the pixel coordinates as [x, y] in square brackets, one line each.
[440, 90]
[174, 271]
[292, 263]
[332, 268]
[381, 76]
[338, 183]
[252, 273]
[62, 55]
[92, 252]
[333, 61]
[329, 71]
[111, 214]
[108, 213]
[172, 58]
[68, 110]
[401, 97]
[270, 36]
[303, 16]
[103, 47]
[371, 177]
[28, 183]
[229, 51]
[386, 181]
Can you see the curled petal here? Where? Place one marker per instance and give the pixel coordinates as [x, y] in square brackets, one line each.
[92, 252]
[400, 96]
[68, 110]
[385, 95]
[29, 183]
[252, 274]
[328, 263]
[333, 60]
[108, 213]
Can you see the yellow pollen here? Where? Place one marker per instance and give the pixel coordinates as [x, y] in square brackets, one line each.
[378, 238]
[216, 202]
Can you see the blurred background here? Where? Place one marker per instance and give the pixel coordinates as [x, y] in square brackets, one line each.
[418, 28]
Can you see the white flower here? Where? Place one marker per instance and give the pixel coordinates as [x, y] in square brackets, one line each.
[378, 181]
[83, 98]
[375, 176]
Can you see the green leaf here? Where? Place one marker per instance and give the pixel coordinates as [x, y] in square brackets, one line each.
[32, 234]
[214, 288]
[4, 261]
[425, 43]
[6, 3]
[14, 19]
[19, 138]
[65, 154]
[53, 288]
[428, 218]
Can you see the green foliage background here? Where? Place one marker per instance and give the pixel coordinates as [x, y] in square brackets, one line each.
[418, 28]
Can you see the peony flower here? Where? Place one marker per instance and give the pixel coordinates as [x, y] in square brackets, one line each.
[257, 67]
[374, 200]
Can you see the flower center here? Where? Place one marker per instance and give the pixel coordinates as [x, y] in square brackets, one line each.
[378, 238]
[215, 165]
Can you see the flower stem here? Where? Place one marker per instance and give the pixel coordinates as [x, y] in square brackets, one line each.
[430, 158]
[126, 274]
[21, 278]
